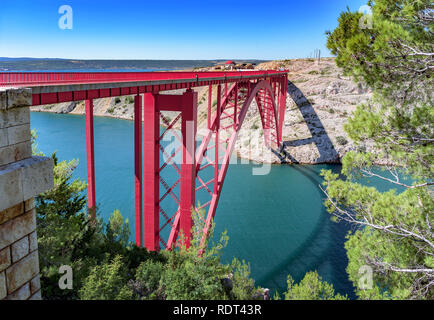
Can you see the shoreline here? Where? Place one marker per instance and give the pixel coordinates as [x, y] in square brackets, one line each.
[237, 152]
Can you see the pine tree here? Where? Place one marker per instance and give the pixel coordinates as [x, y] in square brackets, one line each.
[393, 235]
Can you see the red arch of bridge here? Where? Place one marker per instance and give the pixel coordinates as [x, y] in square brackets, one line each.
[253, 95]
[263, 93]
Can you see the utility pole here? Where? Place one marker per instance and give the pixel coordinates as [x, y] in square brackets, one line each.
[317, 56]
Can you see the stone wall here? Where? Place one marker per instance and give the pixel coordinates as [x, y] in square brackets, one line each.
[22, 177]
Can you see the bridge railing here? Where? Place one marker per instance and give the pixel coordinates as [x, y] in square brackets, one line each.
[9, 79]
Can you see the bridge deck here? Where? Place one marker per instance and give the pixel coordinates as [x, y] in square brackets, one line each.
[56, 87]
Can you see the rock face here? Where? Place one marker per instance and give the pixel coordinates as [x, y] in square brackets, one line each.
[319, 101]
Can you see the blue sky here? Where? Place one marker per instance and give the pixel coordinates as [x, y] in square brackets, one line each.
[134, 29]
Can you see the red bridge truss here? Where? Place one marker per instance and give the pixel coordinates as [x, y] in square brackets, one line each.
[201, 168]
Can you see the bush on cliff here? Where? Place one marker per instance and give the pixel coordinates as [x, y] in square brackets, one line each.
[191, 274]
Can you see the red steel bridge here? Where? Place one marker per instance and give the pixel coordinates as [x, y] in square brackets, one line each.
[235, 93]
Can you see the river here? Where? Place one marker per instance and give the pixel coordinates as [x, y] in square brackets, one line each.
[276, 222]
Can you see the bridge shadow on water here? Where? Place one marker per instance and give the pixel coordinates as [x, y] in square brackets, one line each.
[328, 235]
[322, 251]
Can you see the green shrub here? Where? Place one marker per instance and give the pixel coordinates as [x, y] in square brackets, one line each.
[341, 140]
[107, 281]
[129, 99]
[311, 288]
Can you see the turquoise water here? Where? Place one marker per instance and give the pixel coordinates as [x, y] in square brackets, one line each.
[276, 222]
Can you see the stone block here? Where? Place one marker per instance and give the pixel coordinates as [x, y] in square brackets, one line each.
[16, 152]
[17, 134]
[33, 241]
[3, 99]
[3, 290]
[36, 296]
[4, 141]
[17, 228]
[12, 212]
[22, 293]
[38, 177]
[5, 258]
[22, 180]
[29, 204]
[20, 249]
[11, 187]
[14, 117]
[23, 271]
[19, 97]
[35, 284]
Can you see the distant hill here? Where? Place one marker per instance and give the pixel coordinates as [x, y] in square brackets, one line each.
[42, 64]
[26, 58]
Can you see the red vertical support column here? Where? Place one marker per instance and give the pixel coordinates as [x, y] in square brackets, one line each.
[267, 121]
[209, 105]
[188, 165]
[138, 169]
[282, 106]
[235, 106]
[151, 167]
[216, 149]
[90, 154]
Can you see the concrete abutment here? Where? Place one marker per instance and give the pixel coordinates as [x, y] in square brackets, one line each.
[22, 177]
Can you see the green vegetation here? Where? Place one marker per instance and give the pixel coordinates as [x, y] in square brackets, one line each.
[393, 235]
[301, 80]
[312, 287]
[341, 140]
[107, 266]
[326, 71]
[129, 99]
[117, 100]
